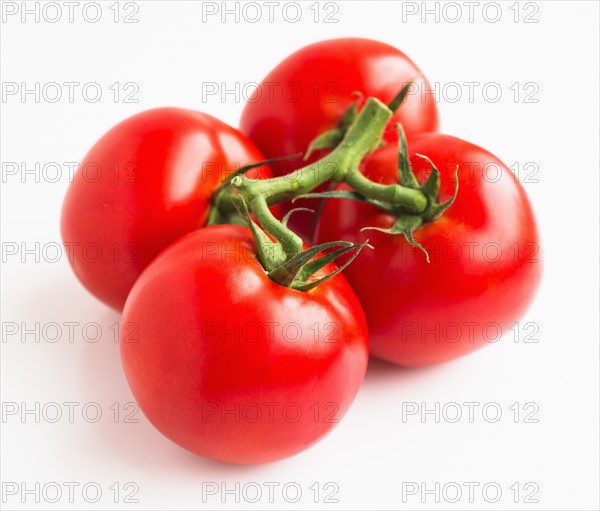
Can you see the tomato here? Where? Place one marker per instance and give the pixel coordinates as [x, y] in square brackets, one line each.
[484, 267]
[232, 366]
[308, 92]
[145, 183]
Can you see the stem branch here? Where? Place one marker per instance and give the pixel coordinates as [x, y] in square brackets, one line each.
[340, 165]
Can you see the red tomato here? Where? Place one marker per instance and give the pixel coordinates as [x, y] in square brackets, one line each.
[484, 251]
[232, 366]
[308, 92]
[145, 183]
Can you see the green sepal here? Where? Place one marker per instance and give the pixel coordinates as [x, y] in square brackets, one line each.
[405, 225]
[431, 187]
[435, 210]
[351, 112]
[327, 140]
[286, 272]
[312, 267]
[395, 103]
[302, 283]
[331, 138]
[405, 173]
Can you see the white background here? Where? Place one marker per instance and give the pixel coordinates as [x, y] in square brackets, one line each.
[170, 53]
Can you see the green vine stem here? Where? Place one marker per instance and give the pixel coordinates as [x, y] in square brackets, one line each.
[340, 165]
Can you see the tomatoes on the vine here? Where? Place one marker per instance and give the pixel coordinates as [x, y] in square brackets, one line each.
[309, 91]
[145, 183]
[232, 366]
[485, 262]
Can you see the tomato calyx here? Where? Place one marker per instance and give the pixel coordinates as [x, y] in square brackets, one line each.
[407, 223]
[298, 271]
[408, 218]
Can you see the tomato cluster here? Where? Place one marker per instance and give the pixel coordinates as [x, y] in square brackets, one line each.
[248, 361]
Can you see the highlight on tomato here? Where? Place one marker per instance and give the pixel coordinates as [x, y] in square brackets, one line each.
[231, 365]
[469, 275]
[308, 92]
[144, 184]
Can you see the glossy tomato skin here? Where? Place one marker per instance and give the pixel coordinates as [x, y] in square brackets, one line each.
[484, 251]
[232, 366]
[307, 93]
[145, 183]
